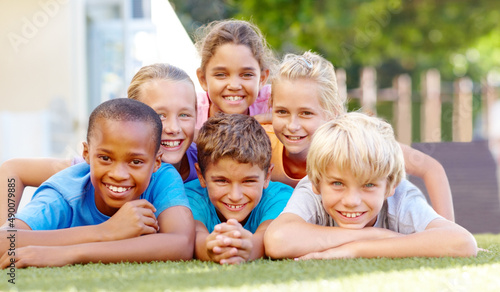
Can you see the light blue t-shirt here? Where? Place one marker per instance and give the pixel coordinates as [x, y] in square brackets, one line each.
[274, 199]
[67, 198]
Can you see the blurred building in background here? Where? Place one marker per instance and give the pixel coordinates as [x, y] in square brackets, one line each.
[59, 59]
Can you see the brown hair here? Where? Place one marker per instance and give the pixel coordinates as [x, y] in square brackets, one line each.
[213, 35]
[237, 136]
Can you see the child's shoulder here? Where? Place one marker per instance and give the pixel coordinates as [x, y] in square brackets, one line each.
[408, 210]
[261, 103]
[276, 186]
[165, 168]
[194, 188]
[277, 191]
[165, 176]
[68, 179]
[404, 191]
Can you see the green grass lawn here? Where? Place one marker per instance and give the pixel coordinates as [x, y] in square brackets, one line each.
[410, 274]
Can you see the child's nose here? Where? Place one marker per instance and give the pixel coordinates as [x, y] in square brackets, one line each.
[119, 172]
[171, 125]
[352, 198]
[235, 194]
[234, 84]
[294, 124]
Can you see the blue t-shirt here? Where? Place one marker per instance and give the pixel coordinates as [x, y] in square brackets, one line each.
[67, 198]
[274, 199]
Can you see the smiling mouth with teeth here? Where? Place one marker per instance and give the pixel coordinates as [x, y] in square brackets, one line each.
[351, 215]
[235, 207]
[295, 138]
[117, 189]
[233, 98]
[171, 143]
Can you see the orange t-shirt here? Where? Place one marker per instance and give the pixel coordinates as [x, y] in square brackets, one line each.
[278, 173]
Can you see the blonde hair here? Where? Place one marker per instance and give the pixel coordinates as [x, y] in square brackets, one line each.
[158, 71]
[238, 32]
[313, 67]
[358, 143]
[239, 137]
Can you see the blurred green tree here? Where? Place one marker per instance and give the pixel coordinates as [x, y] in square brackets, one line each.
[457, 37]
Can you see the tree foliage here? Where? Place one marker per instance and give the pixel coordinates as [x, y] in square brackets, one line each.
[458, 37]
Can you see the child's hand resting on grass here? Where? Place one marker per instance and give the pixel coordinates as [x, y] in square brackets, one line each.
[39, 256]
[229, 243]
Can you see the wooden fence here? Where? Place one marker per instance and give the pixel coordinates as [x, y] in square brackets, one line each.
[431, 107]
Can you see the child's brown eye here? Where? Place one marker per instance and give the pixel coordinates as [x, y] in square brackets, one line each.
[105, 158]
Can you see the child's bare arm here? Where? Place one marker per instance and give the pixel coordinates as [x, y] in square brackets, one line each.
[441, 238]
[202, 236]
[434, 176]
[290, 236]
[264, 118]
[18, 173]
[133, 219]
[174, 241]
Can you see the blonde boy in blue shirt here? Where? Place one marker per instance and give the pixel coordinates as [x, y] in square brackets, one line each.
[355, 202]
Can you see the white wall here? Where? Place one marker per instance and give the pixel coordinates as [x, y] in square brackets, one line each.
[36, 77]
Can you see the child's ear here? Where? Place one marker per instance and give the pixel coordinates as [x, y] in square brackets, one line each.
[85, 152]
[200, 175]
[158, 160]
[268, 175]
[390, 192]
[315, 190]
[202, 79]
[263, 77]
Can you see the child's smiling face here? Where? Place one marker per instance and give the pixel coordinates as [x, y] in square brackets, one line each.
[352, 203]
[234, 188]
[122, 157]
[174, 101]
[297, 113]
[232, 78]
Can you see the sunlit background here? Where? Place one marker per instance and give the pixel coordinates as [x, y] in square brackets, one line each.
[60, 59]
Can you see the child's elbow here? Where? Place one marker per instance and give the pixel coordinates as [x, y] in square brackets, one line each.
[465, 246]
[186, 248]
[274, 243]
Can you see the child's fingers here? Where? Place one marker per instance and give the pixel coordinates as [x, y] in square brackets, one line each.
[225, 253]
[150, 225]
[143, 203]
[235, 260]
[243, 244]
[5, 260]
[233, 222]
[224, 227]
[230, 234]
[219, 240]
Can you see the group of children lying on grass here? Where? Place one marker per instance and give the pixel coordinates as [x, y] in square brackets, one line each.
[309, 181]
